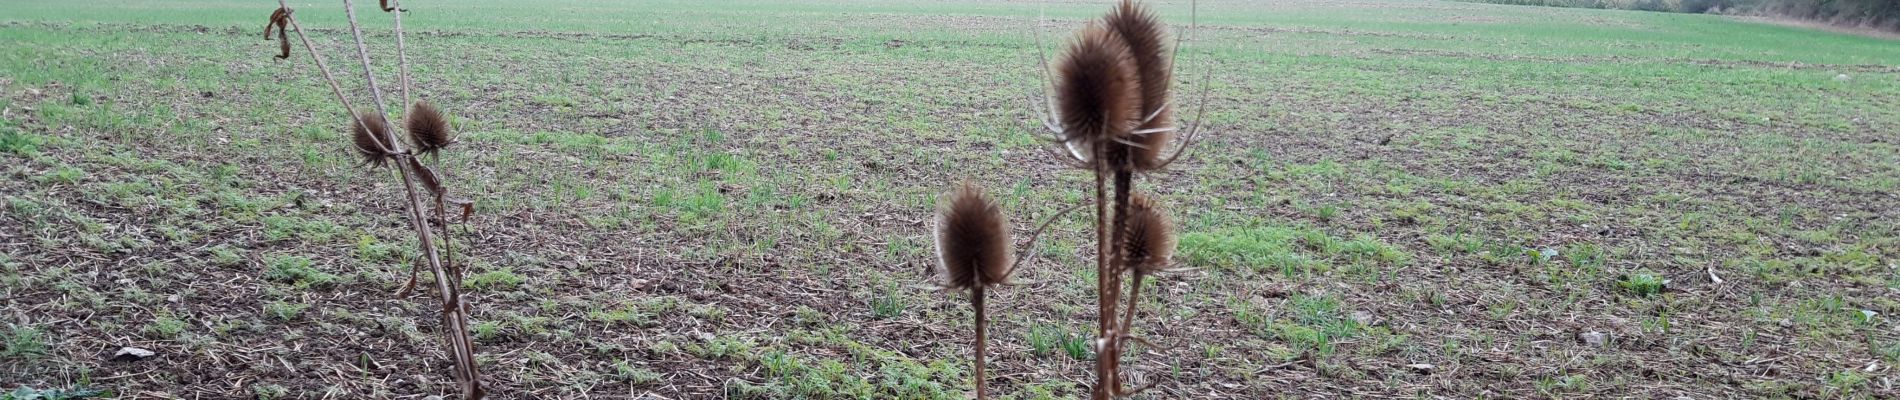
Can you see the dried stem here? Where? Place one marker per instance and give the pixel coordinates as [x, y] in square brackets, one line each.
[1123, 180]
[982, 342]
[454, 312]
[1134, 296]
[369, 75]
[402, 68]
[1107, 359]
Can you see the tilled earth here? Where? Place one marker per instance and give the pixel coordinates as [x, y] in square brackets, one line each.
[1372, 212]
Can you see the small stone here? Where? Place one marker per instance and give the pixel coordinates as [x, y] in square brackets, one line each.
[132, 354]
[1594, 339]
[1868, 315]
[1421, 368]
[1364, 318]
[1842, 78]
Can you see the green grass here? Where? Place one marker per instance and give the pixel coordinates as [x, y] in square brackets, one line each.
[21, 342]
[703, 200]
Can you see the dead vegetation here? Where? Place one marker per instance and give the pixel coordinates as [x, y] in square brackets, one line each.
[375, 138]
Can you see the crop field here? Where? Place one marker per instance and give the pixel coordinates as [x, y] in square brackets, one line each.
[734, 199]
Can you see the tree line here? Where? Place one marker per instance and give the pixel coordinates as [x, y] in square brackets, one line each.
[1878, 14]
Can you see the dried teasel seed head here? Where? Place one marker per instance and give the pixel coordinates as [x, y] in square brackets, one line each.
[973, 243]
[427, 128]
[367, 140]
[1148, 243]
[1147, 46]
[1097, 91]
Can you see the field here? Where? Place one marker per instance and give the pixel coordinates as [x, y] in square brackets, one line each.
[687, 199]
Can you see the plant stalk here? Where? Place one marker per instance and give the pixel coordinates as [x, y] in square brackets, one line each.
[454, 312]
[1106, 287]
[1123, 182]
[982, 342]
[402, 62]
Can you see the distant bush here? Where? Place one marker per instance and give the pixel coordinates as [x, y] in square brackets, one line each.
[1878, 14]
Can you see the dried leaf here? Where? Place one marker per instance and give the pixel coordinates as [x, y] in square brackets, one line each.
[428, 178]
[279, 19]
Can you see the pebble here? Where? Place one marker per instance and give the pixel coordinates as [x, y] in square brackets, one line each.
[1594, 339]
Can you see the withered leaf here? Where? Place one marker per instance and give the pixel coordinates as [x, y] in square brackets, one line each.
[428, 178]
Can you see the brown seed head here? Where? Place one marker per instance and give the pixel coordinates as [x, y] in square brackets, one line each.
[1148, 243]
[973, 242]
[1096, 90]
[427, 128]
[366, 140]
[1147, 46]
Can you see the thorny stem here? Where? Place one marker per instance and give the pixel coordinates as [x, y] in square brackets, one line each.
[1134, 295]
[982, 342]
[402, 66]
[1106, 287]
[1123, 185]
[362, 52]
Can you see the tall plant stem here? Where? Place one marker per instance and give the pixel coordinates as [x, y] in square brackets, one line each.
[982, 342]
[1123, 181]
[402, 64]
[454, 312]
[1106, 360]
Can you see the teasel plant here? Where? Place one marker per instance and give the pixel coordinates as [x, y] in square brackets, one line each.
[974, 253]
[1109, 109]
[377, 140]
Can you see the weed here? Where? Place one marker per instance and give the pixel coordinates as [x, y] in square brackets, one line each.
[495, 280]
[269, 391]
[635, 375]
[167, 327]
[22, 342]
[888, 304]
[284, 311]
[1076, 346]
[1642, 283]
[297, 271]
[1043, 339]
[16, 142]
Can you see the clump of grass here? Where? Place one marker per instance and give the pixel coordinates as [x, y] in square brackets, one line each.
[22, 342]
[1642, 283]
[297, 271]
[284, 311]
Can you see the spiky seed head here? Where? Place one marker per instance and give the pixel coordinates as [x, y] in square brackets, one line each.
[1148, 243]
[427, 128]
[366, 140]
[1147, 46]
[973, 243]
[1097, 91]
